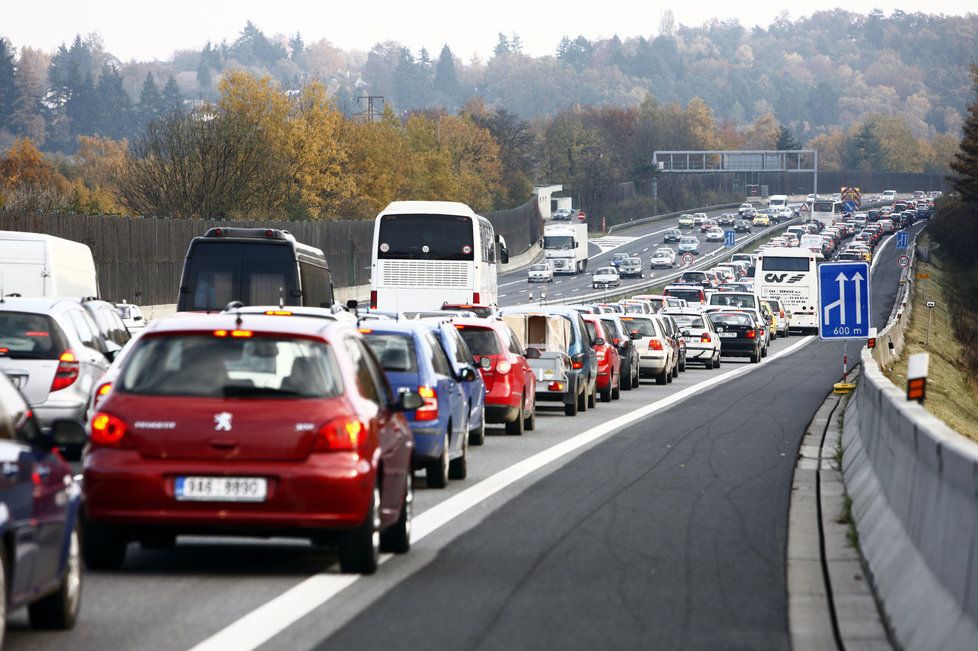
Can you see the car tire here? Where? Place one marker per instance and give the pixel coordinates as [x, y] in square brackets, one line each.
[570, 409]
[626, 384]
[396, 539]
[436, 470]
[605, 395]
[682, 366]
[59, 610]
[592, 398]
[675, 371]
[671, 374]
[616, 389]
[458, 468]
[103, 548]
[359, 549]
[764, 352]
[637, 378]
[755, 358]
[518, 426]
[716, 362]
[530, 422]
[663, 377]
[478, 435]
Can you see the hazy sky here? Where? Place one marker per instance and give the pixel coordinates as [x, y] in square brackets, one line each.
[137, 29]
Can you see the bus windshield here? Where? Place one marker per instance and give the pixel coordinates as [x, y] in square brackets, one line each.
[425, 237]
[825, 206]
[255, 273]
[776, 263]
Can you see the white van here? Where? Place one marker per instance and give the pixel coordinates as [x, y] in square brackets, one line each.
[778, 201]
[37, 265]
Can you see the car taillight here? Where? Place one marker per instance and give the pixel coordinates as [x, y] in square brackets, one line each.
[577, 361]
[475, 297]
[705, 338]
[107, 429]
[751, 334]
[504, 367]
[782, 314]
[67, 371]
[429, 411]
[373, 299]
[655, 344]
[101, 392]
[339, 434]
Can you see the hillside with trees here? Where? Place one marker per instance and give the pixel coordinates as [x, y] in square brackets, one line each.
[880, 92]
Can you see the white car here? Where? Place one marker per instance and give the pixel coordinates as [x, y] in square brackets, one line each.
[689, 244]
[663, 258]
[132, 316]
[605, 277]
[540, 273]
[702, 342]
[714, 235]
[657, 358]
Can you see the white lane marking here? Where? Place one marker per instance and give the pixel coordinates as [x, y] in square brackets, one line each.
[576, 289]
[609, 243]
[502, 296]
[273, 617]
[522, 291]
[512, 283]
[876, 258]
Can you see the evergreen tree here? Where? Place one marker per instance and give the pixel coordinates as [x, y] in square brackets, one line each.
[82, 108]
[8, 87]
[786, 139]
[516, 44]
[115, 111]
[965, 163]
[172, 97]
[296, 46]
[205, 79]
[446, 77]
[502, 45]
[150, 101]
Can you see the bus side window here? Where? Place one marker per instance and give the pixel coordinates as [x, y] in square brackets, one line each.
[488, 243]
[315, 285]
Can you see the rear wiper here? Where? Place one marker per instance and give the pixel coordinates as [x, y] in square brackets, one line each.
[238, 391]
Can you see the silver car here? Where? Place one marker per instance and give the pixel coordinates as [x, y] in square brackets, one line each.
[689, 244]
[540, 273]
[52, 351]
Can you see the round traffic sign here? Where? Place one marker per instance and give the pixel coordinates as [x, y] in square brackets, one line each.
[581, 215]
[903, 261]
[687, 259]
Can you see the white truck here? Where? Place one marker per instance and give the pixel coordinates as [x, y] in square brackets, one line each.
[565, 245]
[38, 265]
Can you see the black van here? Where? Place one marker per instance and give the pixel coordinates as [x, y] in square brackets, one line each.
[257, 266]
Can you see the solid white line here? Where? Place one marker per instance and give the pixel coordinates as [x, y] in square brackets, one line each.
[273, 617]
[876, 258]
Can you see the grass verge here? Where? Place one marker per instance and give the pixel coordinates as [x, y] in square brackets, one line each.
[952, 394]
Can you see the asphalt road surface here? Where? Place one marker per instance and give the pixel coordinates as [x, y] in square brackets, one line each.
[658, 520]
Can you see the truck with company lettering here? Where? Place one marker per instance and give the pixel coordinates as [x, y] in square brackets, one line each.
[565, 245]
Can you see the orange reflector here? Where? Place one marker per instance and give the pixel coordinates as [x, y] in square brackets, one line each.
[220, 333]
[871, 343]
[917, 389]
[67, 356]
[278, 313]
[366, 331]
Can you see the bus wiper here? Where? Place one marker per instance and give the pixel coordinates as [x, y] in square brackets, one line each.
[242, 391]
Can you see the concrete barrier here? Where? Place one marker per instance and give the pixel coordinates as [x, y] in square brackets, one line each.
[670, 215]
[913, 482]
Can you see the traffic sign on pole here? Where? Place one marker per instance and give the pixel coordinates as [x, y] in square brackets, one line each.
[849, 206]
[902, 239]
[687, 259]
[729, 239]
[903, 262]
[843, 300]
[581, 215]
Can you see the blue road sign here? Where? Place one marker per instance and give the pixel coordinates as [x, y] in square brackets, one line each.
[903, 239]
[843, 300]
[849, 206]
[729, 238]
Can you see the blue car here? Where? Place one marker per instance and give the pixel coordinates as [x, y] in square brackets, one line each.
[461, 359]
[413, 358]
[40, 560]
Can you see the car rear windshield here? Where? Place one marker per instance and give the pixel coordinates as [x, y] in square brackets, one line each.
[689, 295]
[641, 326]
[689, 321]
[481, 341]
[206, 365]
[395, 351]
[256, 273]
[24, 335]
[733, 300]
[728, 319]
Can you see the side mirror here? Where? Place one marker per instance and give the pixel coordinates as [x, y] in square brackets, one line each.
[68, 433]
[599, 341]
[532, 353]
[111, 350]
[352, 304]
[686, 333]
[137, 318]
[408, 400]
[467, 374]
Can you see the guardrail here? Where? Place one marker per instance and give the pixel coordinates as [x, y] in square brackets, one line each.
[913, 482]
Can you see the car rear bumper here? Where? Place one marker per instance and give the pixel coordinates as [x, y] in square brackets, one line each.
[738, 348]
[324, 491]
[502, 413]
[650, 364]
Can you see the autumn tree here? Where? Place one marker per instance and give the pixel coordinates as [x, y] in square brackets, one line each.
[28, 181]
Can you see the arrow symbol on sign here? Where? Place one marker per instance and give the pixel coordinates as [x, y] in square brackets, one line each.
[841, 303]
[856, 277]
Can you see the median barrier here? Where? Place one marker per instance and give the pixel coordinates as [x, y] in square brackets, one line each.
[670, 215]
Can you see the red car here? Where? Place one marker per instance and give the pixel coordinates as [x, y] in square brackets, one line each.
[253, 425]
[510, 383]
[609, 359]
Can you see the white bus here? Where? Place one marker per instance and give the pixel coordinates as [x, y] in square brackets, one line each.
[428, 253]
[827, 211]
[791, 276]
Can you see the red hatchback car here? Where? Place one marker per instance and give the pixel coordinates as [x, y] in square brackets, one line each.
[511, 384]
[251, 425]
[609, 359]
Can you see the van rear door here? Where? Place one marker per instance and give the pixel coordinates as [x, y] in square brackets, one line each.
[22, 265]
